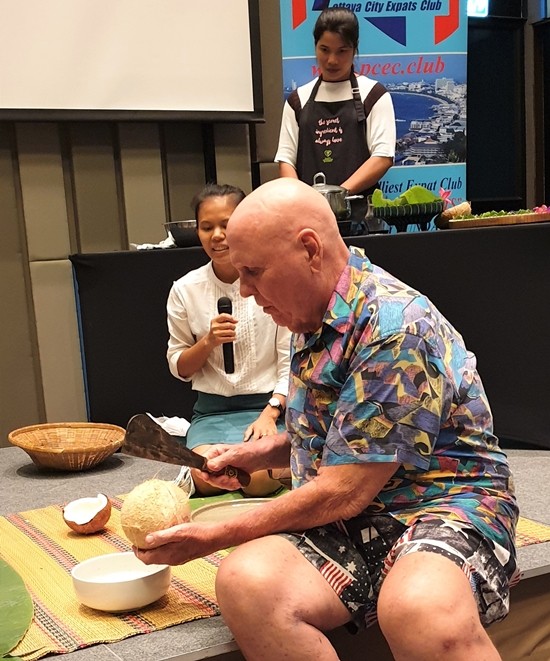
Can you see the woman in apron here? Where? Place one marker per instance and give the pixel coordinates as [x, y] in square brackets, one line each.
[340, 124]
[239, 402]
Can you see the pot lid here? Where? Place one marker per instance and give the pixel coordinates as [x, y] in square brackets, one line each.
[320, 185]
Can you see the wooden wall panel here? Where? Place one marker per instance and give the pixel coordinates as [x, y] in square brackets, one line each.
[43, 190]
[20, 392]
[98, 200]
[184, 157]
[142, 181]
[233, 155]
[268, 172]
[58, 341]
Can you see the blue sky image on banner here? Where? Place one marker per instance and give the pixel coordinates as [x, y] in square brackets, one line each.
[417, 49]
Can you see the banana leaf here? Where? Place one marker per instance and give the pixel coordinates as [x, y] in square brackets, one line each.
[414, 195]
[16, 609]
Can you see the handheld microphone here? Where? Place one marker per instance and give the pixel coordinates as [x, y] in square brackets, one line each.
[225, 305]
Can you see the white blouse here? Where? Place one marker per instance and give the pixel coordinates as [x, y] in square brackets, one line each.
[261, 349]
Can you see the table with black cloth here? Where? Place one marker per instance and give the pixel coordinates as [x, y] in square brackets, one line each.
[491, 283]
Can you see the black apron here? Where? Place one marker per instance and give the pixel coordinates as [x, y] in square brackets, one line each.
[332, 140]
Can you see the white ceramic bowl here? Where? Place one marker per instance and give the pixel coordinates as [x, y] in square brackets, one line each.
[119, 582]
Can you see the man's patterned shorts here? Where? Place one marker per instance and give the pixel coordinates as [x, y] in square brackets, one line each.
[355, 556]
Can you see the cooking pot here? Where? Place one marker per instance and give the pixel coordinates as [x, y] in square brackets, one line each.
[337, 196]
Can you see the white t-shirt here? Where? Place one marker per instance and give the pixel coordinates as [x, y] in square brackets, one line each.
[261, 350]
[380, 131]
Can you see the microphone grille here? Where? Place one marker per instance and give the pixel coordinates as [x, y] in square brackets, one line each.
[225, 305]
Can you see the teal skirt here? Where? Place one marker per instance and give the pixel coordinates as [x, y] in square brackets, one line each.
[218, 419]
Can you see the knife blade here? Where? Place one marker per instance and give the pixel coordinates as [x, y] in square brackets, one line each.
[146, 438]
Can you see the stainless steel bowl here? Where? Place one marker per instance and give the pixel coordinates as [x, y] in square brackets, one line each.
[184, 232]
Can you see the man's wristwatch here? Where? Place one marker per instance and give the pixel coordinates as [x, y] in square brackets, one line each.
[276, 404]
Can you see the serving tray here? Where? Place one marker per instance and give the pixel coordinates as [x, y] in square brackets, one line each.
[493, 221]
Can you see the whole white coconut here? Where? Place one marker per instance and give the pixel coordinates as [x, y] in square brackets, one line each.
[153, 505]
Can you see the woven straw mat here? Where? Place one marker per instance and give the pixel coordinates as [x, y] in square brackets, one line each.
[43, 550]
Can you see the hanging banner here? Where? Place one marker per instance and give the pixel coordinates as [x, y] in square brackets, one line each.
[417, 49]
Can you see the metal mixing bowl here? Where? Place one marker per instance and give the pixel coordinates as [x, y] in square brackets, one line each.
[184, 232]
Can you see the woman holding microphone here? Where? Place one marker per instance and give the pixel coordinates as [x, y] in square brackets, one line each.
[236, 402]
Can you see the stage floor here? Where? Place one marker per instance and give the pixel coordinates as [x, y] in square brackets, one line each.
[524, 634]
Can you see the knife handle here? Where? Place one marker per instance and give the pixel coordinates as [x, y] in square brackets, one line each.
[231, 471]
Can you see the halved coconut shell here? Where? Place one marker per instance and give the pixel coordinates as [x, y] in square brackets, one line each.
[87, 515]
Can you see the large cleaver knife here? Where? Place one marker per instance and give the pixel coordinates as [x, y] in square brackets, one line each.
[146, 438]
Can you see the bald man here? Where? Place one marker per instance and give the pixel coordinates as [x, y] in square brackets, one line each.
[402, 506]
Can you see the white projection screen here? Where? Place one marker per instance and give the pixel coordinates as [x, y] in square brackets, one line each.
[123, 59]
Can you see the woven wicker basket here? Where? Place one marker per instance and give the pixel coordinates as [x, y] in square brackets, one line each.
[68, 446]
